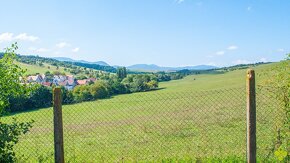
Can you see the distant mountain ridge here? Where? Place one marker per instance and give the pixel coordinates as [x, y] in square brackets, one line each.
[153, 67]
[102, 63]
[141, 67]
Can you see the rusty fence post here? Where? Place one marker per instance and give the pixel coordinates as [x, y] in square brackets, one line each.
[58, 126]
[251, 117]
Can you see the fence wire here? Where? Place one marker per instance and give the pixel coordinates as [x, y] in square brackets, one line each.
[156, 126]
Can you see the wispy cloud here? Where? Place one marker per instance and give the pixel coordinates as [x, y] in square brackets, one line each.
[38, 50]
[249, 8]
[222, 52]
[62, 45]
[219, 53]
[263, 60]
[211, 64]
[7, 37]
[75, 50]
[232, 47]
[42, 50]
[280, 50]
[26, 37]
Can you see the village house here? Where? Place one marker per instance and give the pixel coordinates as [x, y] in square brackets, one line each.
[47, 84]
[68, 84]
[86, 81]
[35, 79]
[67, 81]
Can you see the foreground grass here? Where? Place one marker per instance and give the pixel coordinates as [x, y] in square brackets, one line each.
[199, 118]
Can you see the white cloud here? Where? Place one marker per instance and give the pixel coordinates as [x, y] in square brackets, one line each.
[26, 37]
[62, 45]
[6, 37]
[233, 47]
[41, 50]
[57, 53]
[32, 48]
[38, 50]
[241, 61]
[280, 50]
[263, 60]
[75, 50]
[219, 53]
[211, 64]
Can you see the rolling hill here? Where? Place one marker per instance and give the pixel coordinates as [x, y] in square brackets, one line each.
[153, 67]
[181, 120]
[102, 63]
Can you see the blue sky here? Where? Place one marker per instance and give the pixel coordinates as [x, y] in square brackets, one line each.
[163, 32]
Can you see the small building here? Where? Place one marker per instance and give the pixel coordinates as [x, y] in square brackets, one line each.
[82, 82]
[47, 84]
[68, 84]
[35, 79]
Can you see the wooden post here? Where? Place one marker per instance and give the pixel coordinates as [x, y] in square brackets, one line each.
[58, 126]
[251, 117]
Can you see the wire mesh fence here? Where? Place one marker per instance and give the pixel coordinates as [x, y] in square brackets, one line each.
[155, 126]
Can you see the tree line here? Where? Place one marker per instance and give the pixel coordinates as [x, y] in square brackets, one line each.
[41, 96]
[106, 86]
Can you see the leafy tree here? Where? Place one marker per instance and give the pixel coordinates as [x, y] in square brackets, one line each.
[39, 97]
[99, 90]
[10, 76]
[122, 72]
[153, 84]
[10, 134]
[48, 76]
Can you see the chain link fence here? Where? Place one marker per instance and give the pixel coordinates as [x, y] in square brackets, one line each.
[155, 126]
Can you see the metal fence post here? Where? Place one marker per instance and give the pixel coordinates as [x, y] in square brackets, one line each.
[58, 126]
[251, 117]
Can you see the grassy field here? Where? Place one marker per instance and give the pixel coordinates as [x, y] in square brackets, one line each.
[201, 117]
[33, 69]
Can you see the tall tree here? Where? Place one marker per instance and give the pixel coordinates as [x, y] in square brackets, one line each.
[122, 72]
[10, 76]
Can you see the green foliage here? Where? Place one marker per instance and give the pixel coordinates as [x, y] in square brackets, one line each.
[10, 76]
[99, 90]
[280, 154]
[122, 72]
[9, 134]
[139, 83]
[228, 137]
[39, 97]
[58, 73]
[278, 83]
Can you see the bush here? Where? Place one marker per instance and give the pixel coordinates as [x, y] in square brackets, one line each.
[99, 90]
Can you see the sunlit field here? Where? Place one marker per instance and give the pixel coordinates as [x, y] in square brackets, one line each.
[201, 117]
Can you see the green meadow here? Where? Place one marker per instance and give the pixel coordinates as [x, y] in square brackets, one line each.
[33, 69]
[199, 118]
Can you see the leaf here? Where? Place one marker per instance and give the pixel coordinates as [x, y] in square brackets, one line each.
[280, 154]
